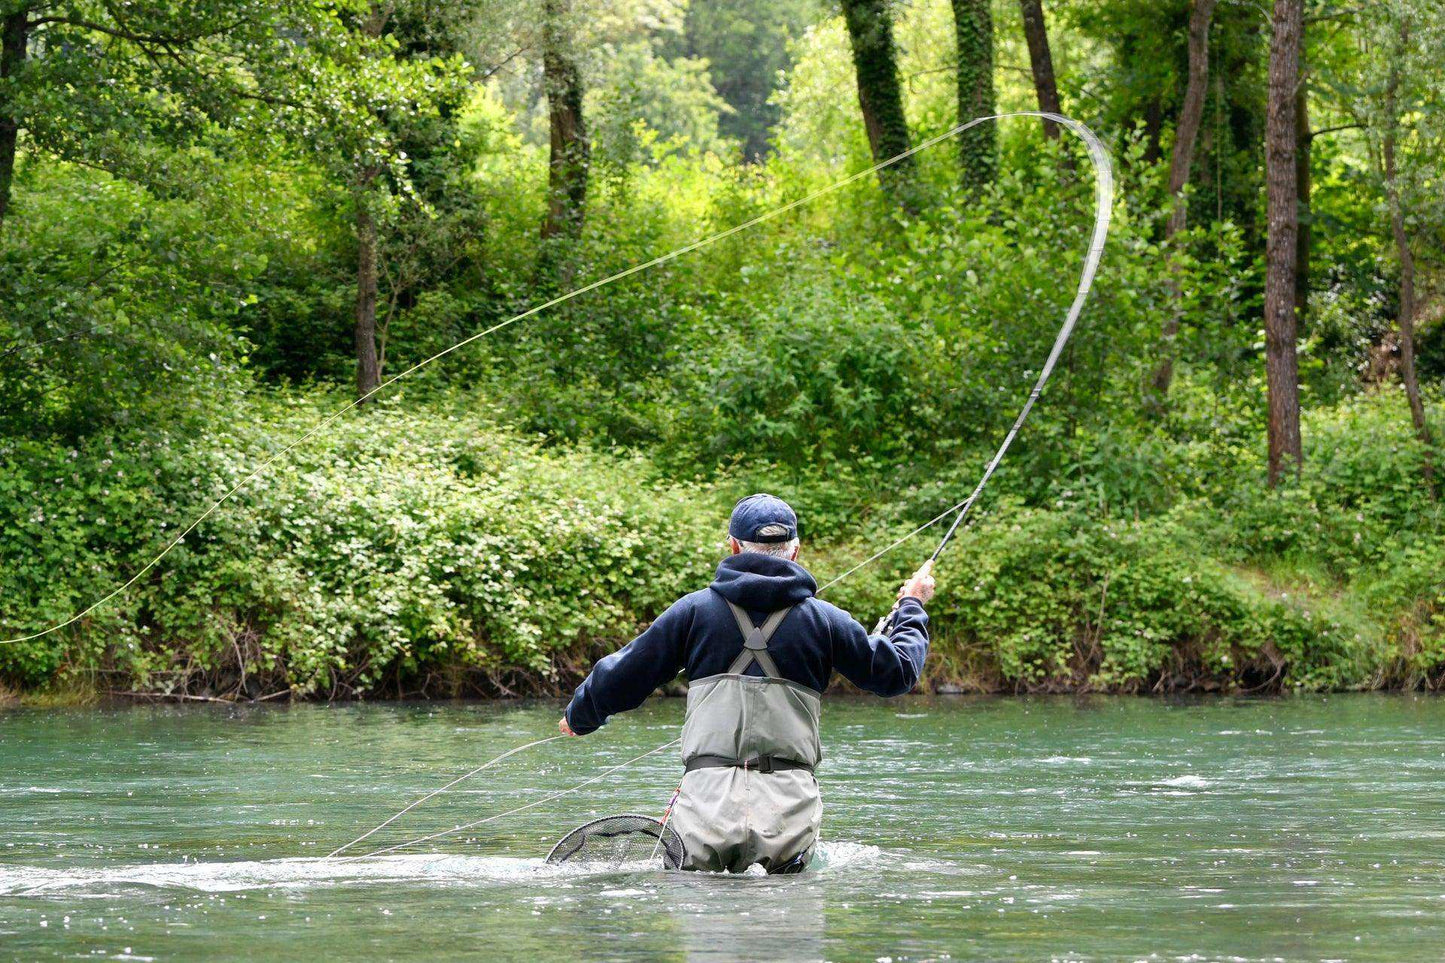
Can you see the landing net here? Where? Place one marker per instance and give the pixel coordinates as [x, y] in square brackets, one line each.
[615, 841]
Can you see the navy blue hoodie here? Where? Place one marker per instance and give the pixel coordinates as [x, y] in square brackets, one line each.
[698, 635]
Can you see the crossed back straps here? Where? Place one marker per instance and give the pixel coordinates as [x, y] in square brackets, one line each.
[755, 641]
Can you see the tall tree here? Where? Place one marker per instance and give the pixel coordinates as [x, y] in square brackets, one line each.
[1286, 451]
[378, 80]
[1403, 251]
[105, 83]
[870, 32]
[14, 44]
[368, 361]
[120, 86]
[1041, 62]
[570, 154]
[1186, 134]
[973, 39]
[748, 48]
[1304, 151]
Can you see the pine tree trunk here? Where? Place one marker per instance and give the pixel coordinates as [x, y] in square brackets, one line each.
[973, 37]
[1041, 62]
[1186, 134]
[368, 365]
[570, 153]
[1406, 257]
[14, 37]
[870, 32]
[1286, 451]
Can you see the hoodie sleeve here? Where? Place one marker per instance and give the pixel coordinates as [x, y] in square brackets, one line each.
[886, 665]
[624, 679]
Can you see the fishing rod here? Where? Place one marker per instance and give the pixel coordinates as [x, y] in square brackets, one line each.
[1104, 195]
[1103, 204]
[1103, 207]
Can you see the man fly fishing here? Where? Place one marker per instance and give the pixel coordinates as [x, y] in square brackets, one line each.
[758, 648]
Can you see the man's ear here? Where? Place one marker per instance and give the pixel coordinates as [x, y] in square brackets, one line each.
[796, 549]
[734, 546]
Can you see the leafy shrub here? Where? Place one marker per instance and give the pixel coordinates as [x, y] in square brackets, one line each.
[432, 548]
[405, 543]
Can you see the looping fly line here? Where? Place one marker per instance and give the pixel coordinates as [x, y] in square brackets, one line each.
[1104, 192]
[1103, 197]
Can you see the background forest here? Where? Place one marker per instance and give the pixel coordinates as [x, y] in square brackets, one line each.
[221, 220]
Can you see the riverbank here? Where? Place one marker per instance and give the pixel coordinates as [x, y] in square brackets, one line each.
[433, 551]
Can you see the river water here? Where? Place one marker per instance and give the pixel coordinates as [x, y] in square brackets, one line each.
[954, 828]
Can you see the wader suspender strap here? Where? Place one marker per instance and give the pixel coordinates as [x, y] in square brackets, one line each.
[755, 641]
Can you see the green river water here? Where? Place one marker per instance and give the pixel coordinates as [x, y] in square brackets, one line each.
[954, 828]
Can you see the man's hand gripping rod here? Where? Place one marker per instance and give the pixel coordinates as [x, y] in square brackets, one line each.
[919, 586]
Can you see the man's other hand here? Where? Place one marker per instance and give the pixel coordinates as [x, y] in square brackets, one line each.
[920, 586]
[564, 728]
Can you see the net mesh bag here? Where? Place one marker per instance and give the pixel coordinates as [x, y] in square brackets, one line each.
[616, 840]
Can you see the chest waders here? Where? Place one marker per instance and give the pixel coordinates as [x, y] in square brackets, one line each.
[750, 744]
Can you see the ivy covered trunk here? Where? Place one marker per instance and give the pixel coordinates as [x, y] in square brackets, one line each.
[14, 35]
[978, 146]
[870, 32]
[570, 154]
[1286, 451]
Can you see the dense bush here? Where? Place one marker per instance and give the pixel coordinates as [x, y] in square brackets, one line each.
[405, 544]
[438, 550]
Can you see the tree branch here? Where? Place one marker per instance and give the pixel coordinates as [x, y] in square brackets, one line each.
[1337, 127]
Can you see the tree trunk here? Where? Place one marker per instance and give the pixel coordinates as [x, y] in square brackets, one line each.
[1153, 131]
[870, 33]
[1286, 452]
[973, 37]
[570, 153]
[1041, 61]
[368, 364]
[1304, 147]
[1406, 256]
[14, 36]
[1186, 133]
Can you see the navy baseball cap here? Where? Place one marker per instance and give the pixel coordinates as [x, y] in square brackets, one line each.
[755, 513]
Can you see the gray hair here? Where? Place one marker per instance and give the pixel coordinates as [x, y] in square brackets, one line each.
[778, 549]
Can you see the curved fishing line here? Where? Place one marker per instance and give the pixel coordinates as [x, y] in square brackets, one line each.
[1103, 209]
[701, 702]
[711, 239]
[437, 792]
[1103, 201]
[512, 812]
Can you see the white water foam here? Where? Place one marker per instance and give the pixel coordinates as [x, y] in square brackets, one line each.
[228, 877]
[435, 869]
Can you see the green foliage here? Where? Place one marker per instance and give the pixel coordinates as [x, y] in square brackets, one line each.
[117, 306]
[406, 543]
[414, 545]
[746, 46]
[115, 85]
[178, 275]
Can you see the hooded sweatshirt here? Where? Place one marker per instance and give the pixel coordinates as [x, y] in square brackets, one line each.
[699, 636]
